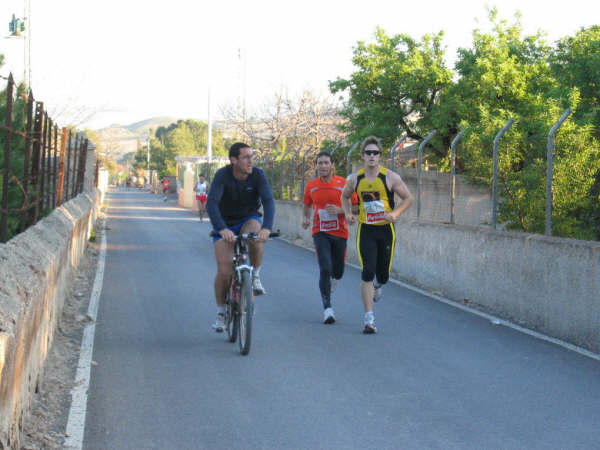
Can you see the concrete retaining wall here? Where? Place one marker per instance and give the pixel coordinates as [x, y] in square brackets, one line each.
[36, 267]
[548, 284]
[473, 204]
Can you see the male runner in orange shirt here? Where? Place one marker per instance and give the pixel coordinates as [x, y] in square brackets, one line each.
[330, 233]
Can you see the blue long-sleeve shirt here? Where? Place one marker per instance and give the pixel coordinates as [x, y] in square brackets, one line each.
[231, 200]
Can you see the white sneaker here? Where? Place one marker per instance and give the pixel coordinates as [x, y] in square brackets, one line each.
[219, 325]
[333, 285]
[370, 327]
[377, 294]
[328, 316]
[257, 286]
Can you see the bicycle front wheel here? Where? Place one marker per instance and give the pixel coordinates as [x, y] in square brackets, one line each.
[232, 319]
[246, 311]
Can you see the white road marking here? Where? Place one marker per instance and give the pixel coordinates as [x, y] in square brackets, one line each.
[79, 393]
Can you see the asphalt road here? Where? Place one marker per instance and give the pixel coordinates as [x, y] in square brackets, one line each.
[433, 377]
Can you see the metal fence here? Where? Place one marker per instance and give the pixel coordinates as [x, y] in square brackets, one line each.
[42, 165]
[289, 171]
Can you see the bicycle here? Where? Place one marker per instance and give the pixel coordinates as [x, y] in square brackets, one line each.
[239, 303]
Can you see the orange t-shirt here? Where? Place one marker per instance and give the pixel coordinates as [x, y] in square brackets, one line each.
[319, 194]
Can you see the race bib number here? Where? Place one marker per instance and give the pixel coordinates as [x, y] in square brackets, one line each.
[374, 211]
[327, 221]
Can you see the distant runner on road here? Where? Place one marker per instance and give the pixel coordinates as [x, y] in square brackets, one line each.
[165, 188]
[201, 190]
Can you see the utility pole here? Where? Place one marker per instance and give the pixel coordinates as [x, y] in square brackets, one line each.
[27, 43]
[21, 28]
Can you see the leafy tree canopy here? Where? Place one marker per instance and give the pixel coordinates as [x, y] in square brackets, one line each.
[401, 85]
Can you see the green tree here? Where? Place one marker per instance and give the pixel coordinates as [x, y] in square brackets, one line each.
[401, 85]
[397, 83]
[506, 75]
[576, 62]
[16, 173]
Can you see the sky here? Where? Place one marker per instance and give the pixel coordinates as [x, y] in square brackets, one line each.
[121, 61]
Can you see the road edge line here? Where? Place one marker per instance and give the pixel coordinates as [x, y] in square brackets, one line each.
[79, 393]
[493, 319]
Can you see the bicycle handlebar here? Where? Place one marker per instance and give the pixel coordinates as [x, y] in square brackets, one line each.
[251, 236]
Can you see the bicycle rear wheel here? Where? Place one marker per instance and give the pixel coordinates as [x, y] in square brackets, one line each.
[246, 311]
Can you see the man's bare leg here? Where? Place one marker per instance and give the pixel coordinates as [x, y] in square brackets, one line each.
[224, 255]
[366, 292]
[256, 250]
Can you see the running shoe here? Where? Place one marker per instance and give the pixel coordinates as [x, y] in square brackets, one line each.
[257, 286]
[377, 293]
[328, 316]
[333, 285]
[219, 325]
[369, 324]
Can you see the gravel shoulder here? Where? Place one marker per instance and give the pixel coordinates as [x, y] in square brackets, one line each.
[45, 426]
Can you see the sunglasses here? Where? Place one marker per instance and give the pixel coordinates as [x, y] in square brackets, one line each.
[372, 152]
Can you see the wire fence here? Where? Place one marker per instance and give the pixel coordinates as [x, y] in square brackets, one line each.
[41, 165]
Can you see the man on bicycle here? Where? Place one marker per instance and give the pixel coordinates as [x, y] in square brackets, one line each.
[376, 234]
[329, 231]
[237, 192]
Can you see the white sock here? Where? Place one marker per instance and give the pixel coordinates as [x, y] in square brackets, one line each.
[221, 309]
[256, 272]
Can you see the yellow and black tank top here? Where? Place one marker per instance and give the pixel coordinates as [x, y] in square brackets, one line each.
[374, 198]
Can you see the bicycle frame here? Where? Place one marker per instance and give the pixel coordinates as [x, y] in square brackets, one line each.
[240, 296]
[241, 299]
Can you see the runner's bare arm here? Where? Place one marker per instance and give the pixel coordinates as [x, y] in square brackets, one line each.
[398, 186]
[346, 199]
[306, 212]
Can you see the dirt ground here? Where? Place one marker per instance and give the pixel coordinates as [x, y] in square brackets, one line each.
[45, 427]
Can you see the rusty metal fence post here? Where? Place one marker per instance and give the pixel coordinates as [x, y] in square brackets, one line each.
[495, 172]
[55, 167]
[73, 174]
[82, 160]
[35, 163]
[26, 161]
[6, 171]
[550, 171]
[43, 144]
[68, 168]
[61, 168]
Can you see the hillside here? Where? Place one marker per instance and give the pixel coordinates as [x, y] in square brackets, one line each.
[142, 127]
[118, 140]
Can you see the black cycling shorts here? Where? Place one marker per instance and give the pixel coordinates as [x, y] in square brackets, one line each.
[375, 246]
